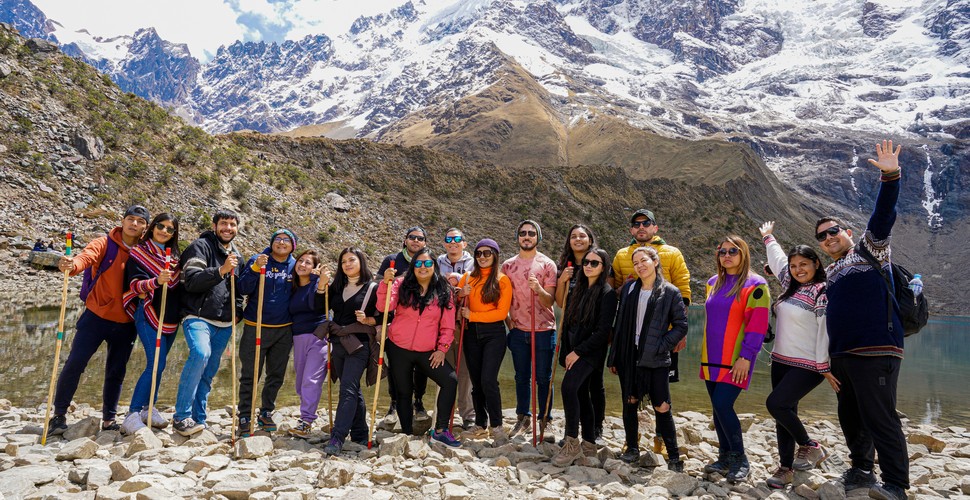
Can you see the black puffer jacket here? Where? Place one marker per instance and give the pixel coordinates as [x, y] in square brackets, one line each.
[660, 334]
[205, 292]
[589, 339]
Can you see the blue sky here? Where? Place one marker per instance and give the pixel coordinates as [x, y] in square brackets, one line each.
[205, 25]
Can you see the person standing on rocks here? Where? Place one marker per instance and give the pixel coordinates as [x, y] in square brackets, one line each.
[586, 327]
[422, 332]
[737, 309]
[533, 277]
[487, 298]
[353, 334]
[276, 340]
[643, 229]
[415, 239]
[308, 310]
[580, 241]
[454, 263]
[651, 321]
[146, 272]
[800, 356]
[104, 319]
[207, 302]
[866, 349]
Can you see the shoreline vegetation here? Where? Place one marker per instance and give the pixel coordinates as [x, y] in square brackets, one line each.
[86, 464]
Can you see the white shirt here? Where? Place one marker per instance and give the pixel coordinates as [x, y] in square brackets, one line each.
[641, 312]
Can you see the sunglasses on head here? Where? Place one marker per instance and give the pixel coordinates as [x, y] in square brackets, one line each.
[591, 263]
[414, 237]
[453, 239]
[721, 252]
[167, 229]
[832, 231]
[483, 253]
[641, 223]
[426, 263]
[524, 233]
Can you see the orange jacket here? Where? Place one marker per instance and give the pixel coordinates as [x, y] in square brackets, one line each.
[481, 312]
[105, 299]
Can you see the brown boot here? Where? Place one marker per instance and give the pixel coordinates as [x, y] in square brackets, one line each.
[568, 454]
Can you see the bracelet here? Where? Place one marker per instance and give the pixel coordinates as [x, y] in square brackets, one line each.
[890, 176]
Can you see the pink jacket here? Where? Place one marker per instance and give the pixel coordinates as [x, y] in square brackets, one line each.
[433, 329]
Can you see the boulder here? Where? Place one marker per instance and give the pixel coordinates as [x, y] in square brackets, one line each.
[337, 202]
[240, 490]
[143, 439]
[676, 483]
[36, 475]
[393, 446]
[212, 462]
[78, 449]
[417, 449]
[122, 470]
[254, 447]
[805, 491]
[98, 476]
[335, 474]
[39, 45]
[5, 71]
[86, 427]
[90, 146]
[933, 444]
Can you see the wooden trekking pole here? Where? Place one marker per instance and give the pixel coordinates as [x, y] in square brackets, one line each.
[380, 362]
[326, 301]
[158, 339]
[232, 358]
[555, 362]
[534, 395]
[259, 334]
[461, 335]
[57, 345]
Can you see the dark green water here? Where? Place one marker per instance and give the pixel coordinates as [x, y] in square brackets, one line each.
[934, 386]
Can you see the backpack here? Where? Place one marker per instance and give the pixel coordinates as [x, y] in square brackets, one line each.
[914, 309]
[90, 278]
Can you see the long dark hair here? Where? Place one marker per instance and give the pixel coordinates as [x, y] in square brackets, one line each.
[491, 293]
[581, 308]
[340, 278]
[567, 251]
[316, 262]
[172, 242]
[439, 289]
[745, 266]
[793, 284]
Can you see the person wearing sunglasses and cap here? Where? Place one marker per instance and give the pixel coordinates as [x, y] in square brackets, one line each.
[487, 297]
[867, 350]
[422, 332]
[454, 264]
[104, 319]
[415, 240]
[737, 309]
[276, 340]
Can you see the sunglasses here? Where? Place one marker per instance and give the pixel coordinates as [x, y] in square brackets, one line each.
[426, 263]
[281, 239]
[414, 237]
[641, 223]
[483, 253]
[454, 239]
[523, 234]
[591, 263]
[167, 229]
[721, 252]
[832, 231]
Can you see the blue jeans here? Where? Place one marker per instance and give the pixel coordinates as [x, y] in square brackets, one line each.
[520, 345]
[139, 397]
[726, 422]
[206, 344]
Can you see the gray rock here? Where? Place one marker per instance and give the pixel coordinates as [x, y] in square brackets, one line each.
[213, 462]
[80, 448]
[337, 202]
[39, 45]
[240, 490]
[144, 439]
[13, 486]
[831, 490]
[122, 470]
[965, 485]
[78, 476]
[254, 447]
[89, 146]
[135, 484]
[98, 476]
[417, 449]
[335, 474]
[393, 446]
[932, 443]
[5, 71]
[34, 474]
[806, 491]
[153, 493]
[678, 484]
[87, 427]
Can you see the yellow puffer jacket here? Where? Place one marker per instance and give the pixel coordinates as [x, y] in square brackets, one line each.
[674, 267]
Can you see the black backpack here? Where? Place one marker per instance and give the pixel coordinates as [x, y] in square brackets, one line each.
[914, 309]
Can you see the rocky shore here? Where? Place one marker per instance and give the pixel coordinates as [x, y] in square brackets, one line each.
[85, 463]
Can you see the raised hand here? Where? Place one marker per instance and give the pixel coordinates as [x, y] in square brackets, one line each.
[887, 158]
[767, 228]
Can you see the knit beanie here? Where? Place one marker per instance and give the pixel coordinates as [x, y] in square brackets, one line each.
[531, 222]
[286, 232]
[488, 243]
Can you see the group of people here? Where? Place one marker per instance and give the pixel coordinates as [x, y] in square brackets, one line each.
[464, 310]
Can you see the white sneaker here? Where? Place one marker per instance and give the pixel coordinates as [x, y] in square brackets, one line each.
[132, 423]
[158, 421]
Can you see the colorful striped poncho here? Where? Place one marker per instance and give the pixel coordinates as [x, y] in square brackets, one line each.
[736, 327]
[144, 265]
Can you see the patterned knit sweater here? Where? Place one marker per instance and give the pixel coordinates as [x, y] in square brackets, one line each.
[736, 327]
[802, 339]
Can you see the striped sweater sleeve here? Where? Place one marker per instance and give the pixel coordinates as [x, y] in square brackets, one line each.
[755, 320]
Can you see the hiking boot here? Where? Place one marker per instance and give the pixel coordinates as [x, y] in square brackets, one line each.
[158, 421]
[301, 429]
[333, 447]
[475, 432]
[243, 431]
[265, 421]
[419, 412]
[856, 478]
[631, 455]
[719, 466]
[110, 425]
[809, 456]
[187, 427]
[782, 477]
[739, 467]
[499, 435]
[445, 437]
[131, 424]
[887, 492]
[390, 419]
[675, 465]
[57, 425]
[568, 453]
[589, 449]
[523, 426]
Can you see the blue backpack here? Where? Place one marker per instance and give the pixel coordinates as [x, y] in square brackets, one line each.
[90, 277]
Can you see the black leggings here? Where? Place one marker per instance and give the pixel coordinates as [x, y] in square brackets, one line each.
[403, 365]
[789, 385]
[484, 348]
[576, 402]
[655, 383]
[597, 393]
